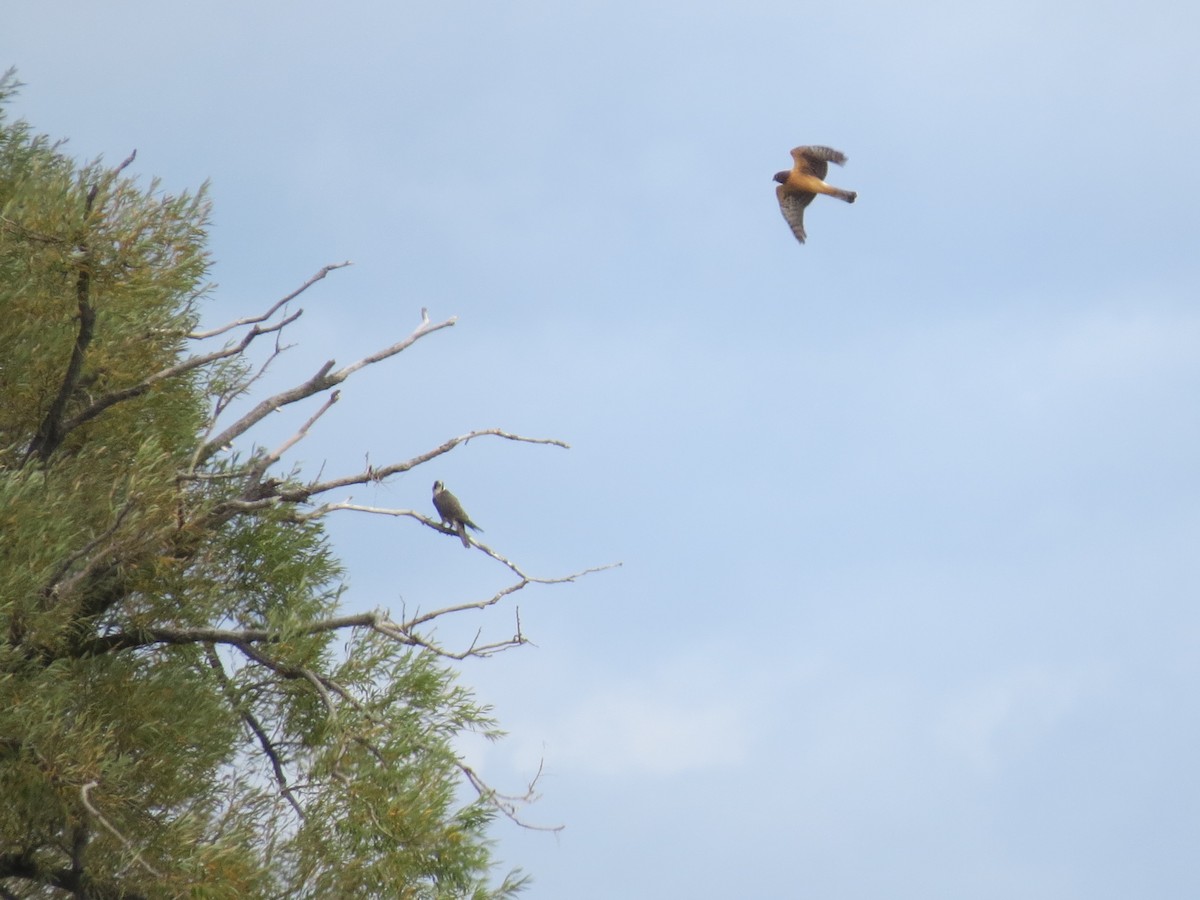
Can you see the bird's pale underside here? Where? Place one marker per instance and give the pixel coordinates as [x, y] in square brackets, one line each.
[805, 180]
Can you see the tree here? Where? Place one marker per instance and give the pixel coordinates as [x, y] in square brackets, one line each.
[178, 715]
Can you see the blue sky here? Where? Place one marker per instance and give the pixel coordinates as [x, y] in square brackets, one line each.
[908, 516]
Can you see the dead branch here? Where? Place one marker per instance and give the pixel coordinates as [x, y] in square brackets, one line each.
[269, 459]
[242, 386]
[187, 365]
[508, 804]
[372, 474]
[125, 163]
[379, 621]
[252, 320]
[410, 624]
[474, 650]
[323, 380]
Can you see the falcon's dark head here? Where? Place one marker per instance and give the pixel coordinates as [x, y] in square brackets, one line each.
[438, 486]
[781, 177]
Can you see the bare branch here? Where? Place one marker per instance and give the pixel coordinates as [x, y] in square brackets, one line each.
[475, 649]
[323, 380]
[508, 804]
[372, 474]
[400, 346]
[326, 508]
[187, 365]
[319, 382]
[410, 624]
[379, 621]
[226, 397]
[267, 460]
[251, 320]
[125, 163]
[111, 176]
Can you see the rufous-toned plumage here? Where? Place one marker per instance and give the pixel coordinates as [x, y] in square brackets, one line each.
[807, 179]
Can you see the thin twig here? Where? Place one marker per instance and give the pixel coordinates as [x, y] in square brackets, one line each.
[251, 320]
[195, 362]
[324, 379]
[137, 857]
[506, 803]
[269, 459]
[372, 474]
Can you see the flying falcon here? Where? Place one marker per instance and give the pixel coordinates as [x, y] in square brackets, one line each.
[806, 179]
[452, 513]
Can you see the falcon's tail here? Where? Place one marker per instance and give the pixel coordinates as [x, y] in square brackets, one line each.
[848, 196]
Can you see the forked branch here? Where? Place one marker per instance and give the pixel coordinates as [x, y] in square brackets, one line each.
[324, 379]
[254, 320]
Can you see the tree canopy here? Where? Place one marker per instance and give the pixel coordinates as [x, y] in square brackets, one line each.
[185, 708]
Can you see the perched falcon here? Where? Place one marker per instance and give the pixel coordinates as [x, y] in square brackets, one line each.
[806, 179]
[452, 512]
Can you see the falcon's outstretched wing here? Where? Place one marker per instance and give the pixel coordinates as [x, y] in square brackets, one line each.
[815, 159]
[792, 204]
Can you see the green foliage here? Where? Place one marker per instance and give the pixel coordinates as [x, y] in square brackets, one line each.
[178, 717]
